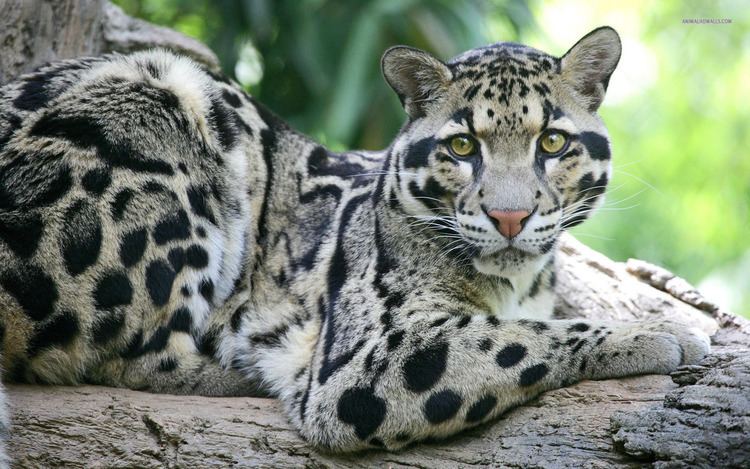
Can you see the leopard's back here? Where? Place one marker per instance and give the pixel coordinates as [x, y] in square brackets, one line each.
[126, 200]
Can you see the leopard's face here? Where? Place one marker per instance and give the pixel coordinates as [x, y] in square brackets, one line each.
[503, 149]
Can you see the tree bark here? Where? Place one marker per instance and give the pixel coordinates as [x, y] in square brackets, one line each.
[700, 416]
[33, 32]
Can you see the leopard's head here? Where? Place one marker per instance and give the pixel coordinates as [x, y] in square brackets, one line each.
[503, 148]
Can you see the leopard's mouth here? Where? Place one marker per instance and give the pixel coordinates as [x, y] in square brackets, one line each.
[508, 253]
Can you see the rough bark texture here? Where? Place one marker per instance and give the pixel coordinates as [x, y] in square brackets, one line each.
[699, 417]
[33, 32]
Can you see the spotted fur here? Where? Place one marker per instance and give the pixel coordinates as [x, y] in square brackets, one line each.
[160, 230]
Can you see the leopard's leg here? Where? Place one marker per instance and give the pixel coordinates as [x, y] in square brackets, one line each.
[436, 375]
[176, 359]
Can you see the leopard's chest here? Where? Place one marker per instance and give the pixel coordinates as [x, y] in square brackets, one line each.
[526, 296]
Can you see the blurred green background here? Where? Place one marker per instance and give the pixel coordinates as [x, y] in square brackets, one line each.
[678, 107]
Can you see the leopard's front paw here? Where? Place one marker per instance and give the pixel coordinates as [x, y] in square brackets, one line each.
[659, 347]
[694, 344]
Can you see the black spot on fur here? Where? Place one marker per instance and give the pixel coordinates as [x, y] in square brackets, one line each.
[485, 345]
[439, 321]
[133, 346]
[547, 247]
[270, 339]
[113, 289]
[231, 98]
[159, 279]
[173, 227]
[206, 289]
[596, 144]
[464, 321]
[21, 232]
[198, 198]
[533, 374]
[395, 339]
[321, 162]
[57, 332]
[153, 187]
[535, 285]
[43, 170]
[361, 408]
[423, 369]
[132, 247]
[97, 180]
[403, 436]
[578, 346]
[33, 289]
[153, 70]
[181, 320]
[12, 124]
[34, 94]
[582, 366]
[167, 364]
[107, 326]
[236, 319]
[471, 91]
[87, 132]
[586, 182]
[224, 122]
[442, 406]
[338, 270]
[120, 203]
[481, 408]
[176, 257]
[417, 154]
[81, 237]
[157, 342]
[579, 327]
[207, 343]
[196, 256]
[510, 355]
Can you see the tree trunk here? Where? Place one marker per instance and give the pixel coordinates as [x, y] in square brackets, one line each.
[33, 32]
[698, 417]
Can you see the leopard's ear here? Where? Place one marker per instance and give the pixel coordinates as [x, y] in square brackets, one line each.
[587, 66]
[416, 76]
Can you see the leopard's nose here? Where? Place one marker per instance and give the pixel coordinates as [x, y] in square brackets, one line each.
[509, 222]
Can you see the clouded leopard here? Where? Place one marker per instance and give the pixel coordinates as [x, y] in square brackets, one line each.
[161, 230]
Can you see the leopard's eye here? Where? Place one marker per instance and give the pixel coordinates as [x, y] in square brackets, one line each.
[462, 145]
[553, 141]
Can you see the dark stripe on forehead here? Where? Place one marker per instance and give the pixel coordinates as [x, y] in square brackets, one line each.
[596, 144]
[464, 115]
[471, 92]
[417, 154]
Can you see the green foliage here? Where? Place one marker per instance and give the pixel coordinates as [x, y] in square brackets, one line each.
[680, 196]
[321, 58]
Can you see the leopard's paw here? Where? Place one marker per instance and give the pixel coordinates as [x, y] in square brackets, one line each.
[643, 348]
